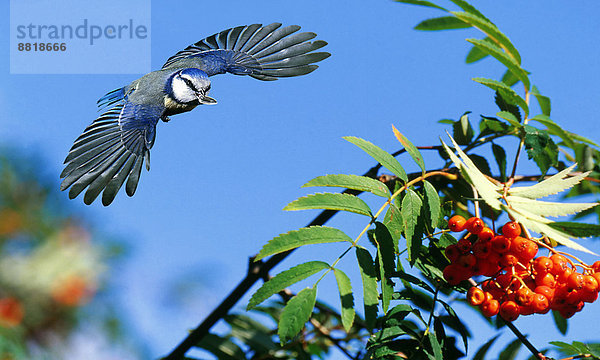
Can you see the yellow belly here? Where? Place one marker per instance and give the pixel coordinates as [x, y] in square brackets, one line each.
[173, 107]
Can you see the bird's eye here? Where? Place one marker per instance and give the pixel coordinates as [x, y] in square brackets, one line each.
[189, 83]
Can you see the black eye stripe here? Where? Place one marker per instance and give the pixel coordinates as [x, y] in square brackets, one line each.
[189, 83]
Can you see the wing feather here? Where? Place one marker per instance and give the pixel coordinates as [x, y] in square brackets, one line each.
[111, 150]
[263, 52]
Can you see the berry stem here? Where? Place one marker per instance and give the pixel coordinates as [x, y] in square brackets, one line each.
[525, 342]
[476, 203]
[565, 254]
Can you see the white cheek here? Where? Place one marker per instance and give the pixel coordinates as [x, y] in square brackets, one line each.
[181, 92]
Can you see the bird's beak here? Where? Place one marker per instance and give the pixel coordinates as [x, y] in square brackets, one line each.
[206, 100]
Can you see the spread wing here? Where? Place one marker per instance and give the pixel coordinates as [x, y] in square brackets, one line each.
[112, 149]
[263, 52]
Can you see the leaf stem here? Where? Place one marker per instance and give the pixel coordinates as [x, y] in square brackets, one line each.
[435, 296]
[522, 142]
[374, 218]
[403, 188]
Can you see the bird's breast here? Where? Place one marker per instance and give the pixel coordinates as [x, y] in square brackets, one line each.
[173, 107]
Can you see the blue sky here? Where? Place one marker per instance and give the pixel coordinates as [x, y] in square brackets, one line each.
[221, 175]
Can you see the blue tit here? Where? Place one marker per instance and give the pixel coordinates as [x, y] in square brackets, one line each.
[112, 150]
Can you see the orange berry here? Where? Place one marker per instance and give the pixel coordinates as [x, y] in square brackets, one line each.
[474, 225]
[574, 297]
[542, 265]
[575, 281]
[464, 246]
[511, 229]
[490, 308]
[467, 261]
[11, 312]
[72, 291]
[500, 244]
[452, 252]
[524, 249]
[590, 283]
[524, 296]
[508, 260]
[546, 280]
[482, 249]
[540, 303]
[559, 264]
[509, 310]
[564, 276]
[546, 291]
[596, 266]
[589, 296]
[486, 234]
[456, 223]
[475, 296]
[453, 274]
[597, 277]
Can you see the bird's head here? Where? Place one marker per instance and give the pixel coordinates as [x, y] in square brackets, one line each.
[189, 85]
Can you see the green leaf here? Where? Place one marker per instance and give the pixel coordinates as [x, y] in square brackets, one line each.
[383, 157]
[475, 54]
[355, 182]
[506, 60]
[296, 313]
[541, 148]
[547, 208]
[462, 130]
[509, 78]
[433, 203]
[221, 347]
[393, 222]
[285, 279]
[421, 3]
[505, 91]
[481, 164]
[470, 9]
[489, 125]
[554, 129]
[252, 333]
[500, 156]
[440, 332]
[346, 298]
[304, 236]
[509, 117]
[386, 259]
[435, 345]
[442, 23]
[413, 280]
[553, 185]
[369, 281]
[575, 229]
[487, 190]
[480, 354]
[565, 348]
[455, 323]
[491, 31]
[511, 351]
[410, 148]
[540, 225]
[504, 105]
[330, 201]
[411, 209]
[561, 323]
[543, 101]
[583, 139]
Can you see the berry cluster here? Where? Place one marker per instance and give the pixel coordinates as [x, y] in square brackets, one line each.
[519, 283]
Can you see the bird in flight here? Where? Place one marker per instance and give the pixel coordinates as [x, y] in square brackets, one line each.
[114, 147]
